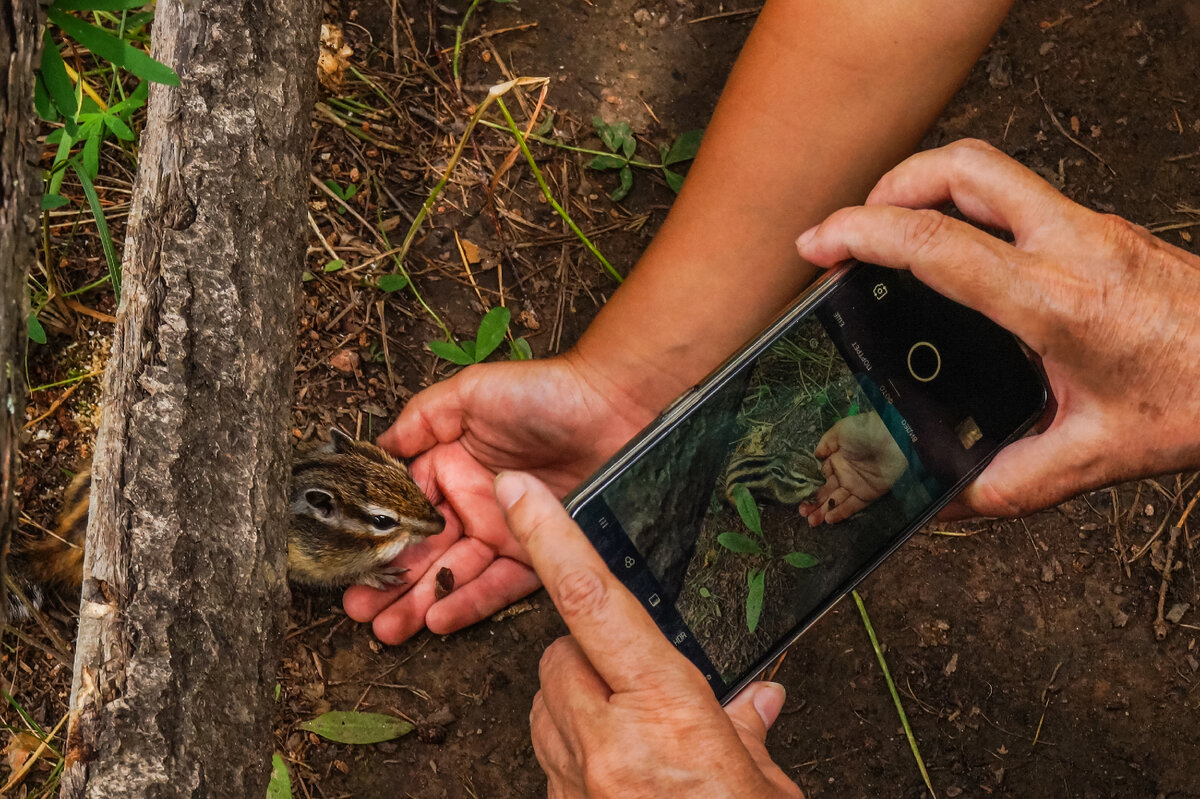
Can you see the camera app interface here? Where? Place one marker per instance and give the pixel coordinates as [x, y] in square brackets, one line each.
[804, 466]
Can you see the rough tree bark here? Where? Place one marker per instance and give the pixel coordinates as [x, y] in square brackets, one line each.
[185, 575]
[20, 47]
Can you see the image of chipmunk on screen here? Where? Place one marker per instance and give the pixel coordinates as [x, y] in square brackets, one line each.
[353, 509]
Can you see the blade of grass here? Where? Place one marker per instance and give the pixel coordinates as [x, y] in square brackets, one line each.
[106, 242]
[541, 181]
[458, 34]
[887, 676]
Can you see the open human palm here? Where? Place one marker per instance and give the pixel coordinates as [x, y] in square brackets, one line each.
[542, 417]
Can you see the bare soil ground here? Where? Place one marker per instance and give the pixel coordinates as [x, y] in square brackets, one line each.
[1025, 650]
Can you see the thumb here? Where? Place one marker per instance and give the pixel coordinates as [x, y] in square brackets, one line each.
[755, 709]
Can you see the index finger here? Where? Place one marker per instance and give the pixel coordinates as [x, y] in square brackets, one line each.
[611, 627]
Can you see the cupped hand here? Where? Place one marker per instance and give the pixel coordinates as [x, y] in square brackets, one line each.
[621, 713]
[1110, 309]
[551, 418]
[860, 461]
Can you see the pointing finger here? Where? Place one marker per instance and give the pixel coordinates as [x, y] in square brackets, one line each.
[610, 626]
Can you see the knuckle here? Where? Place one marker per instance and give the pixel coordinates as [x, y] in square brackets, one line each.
[552, 659]
[581, 592]
[924, 231]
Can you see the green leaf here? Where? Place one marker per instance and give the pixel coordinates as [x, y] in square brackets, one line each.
[492, 328]
[470, 350]
[736, 542]
[133, 102]
[519, 350]
[606, 162]
[114, 50]
[853, 410]
[353, 727]
[97, 5]
[626, 183]
[674, 180]
[547, 123]
[36, 332]
[629, 144]
[392, 282]
[91, 148]
[747, 508]
[451, 352]
[351, 190]
[280, 786]
[306, 276]
[756, 587]
[334, 265]
[106, 242]
[118, 127]
[335, 187]
[800, 560]
[705, 593]
[52, 201]
[53, 75]
[684, 148]
[46, 110]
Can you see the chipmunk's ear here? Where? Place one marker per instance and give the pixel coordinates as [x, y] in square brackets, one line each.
[341, 441]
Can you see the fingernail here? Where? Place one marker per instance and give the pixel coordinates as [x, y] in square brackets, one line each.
[509, 487]
[806, 237]
[768, 701]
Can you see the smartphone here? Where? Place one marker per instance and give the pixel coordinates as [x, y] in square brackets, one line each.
[870, 402]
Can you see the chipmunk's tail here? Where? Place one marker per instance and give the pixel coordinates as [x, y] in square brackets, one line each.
[55, 558]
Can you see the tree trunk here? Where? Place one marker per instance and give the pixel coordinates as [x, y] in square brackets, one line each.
[19, 184]
[185, 575]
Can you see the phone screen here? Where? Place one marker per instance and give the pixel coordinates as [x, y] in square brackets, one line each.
[869, 409]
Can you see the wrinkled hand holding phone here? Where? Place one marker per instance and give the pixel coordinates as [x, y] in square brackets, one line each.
[1108, 308]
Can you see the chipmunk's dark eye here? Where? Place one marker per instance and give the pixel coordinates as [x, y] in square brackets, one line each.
[383, 523]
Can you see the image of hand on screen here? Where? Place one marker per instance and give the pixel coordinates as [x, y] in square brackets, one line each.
[860, 461]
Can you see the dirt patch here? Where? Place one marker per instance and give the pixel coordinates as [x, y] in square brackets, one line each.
[1024, 650]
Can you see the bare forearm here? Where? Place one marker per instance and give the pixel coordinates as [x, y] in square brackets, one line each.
[826, 96]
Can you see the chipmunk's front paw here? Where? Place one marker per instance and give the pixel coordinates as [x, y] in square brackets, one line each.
[384, 577]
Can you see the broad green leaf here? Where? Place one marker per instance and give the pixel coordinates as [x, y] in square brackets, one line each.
[747, 508]
[800, 560]
[53, 75]
[756, 586]
[118, 127]
[46, 110]
[520, 350]
[628, 144]
[52, 201]
[684, 148]
[334, 265]
[335, 187]
[36, 331]
[674, 180]
[110, 48]
[353, 727]
[705, 593]
[392, 282]
[470, 350]
[306, 276]
[736, 542]
[351, 190]
[606, 162]
[106, 242]
[491, 331]
[91, 148]
[547, 123]
[280, 786]
[451, 352]
[97, 5]
[605, 132]
[626, 183]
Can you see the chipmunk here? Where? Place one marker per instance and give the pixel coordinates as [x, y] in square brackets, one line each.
[786, 478]
[353, 509]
